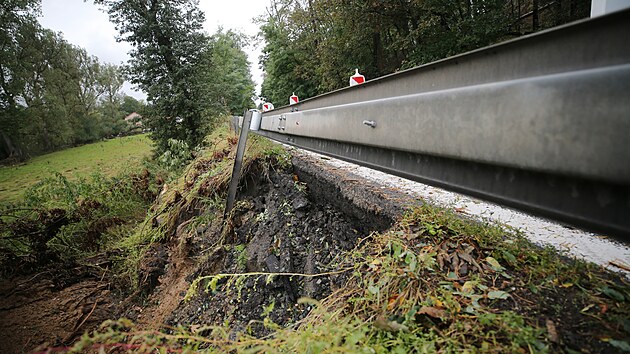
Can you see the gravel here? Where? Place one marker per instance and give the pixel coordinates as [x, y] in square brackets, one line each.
[592, 247]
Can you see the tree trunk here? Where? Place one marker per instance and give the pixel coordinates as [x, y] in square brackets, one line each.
[8, 148]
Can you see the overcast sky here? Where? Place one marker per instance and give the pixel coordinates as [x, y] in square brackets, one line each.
[85, 25]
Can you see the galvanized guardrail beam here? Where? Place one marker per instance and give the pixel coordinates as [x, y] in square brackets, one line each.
[541, 123]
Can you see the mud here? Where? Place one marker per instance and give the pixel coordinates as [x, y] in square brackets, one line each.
[286, 221]
[36, 313]
[298, 223]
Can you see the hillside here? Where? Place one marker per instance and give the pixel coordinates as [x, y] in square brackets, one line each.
[312, 259]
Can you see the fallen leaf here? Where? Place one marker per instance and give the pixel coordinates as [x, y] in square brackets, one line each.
[494, 264]
[475, 300]
[469, 287]
[432, 311]
[391, 302]
[612, 293]
[440, 259]
[620, 344]
[552, 333]
[498, 294]
[588, 307]
[452, 276]
[437, 302]
[509, 257]
[373, 289]
[195, 328]
[461, 210]
[465, 256]
[390, 326]
[375, 263]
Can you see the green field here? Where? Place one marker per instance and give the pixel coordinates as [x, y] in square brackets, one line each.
[107, 157]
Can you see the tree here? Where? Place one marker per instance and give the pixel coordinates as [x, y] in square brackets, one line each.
[111, 79]
[285, 57]
[51, 92]
[130, 105]
[228, 75]
[166, 63]
[313, 46]
[15, 15]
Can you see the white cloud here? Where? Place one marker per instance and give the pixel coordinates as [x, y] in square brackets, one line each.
[85, 25]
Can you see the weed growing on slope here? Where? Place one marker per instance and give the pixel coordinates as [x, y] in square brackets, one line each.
[193, 200]
[64, 220]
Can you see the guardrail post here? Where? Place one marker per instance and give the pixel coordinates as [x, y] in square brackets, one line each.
[238, 163]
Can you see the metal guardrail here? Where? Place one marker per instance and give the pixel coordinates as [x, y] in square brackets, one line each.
[540, 123]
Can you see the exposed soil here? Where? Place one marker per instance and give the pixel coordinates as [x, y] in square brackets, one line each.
[280, 230]
[45, 310]
[297, 221]
[285, 222]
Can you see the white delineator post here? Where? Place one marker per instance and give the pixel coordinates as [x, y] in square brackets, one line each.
[256, 119]
[357, 78]
[267, 106]
[293, 99]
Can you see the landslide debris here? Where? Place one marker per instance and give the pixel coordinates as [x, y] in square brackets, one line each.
[292, 217]
[314, 259]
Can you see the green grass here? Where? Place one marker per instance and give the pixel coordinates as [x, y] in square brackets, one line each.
[107, 157]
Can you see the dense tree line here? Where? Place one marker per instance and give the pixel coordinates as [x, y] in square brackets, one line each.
[190, 78]
[52, 93]
[313, 46]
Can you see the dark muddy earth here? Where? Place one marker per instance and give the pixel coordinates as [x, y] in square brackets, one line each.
[293, 221]
[41, 310]
[279, 227]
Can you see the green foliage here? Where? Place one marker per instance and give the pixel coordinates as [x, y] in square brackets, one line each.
[435, 282]
[285, 57]
[190, 79]
[67, 220]
[176, 156]
[130, 105]
[166, 63]
[110, 157]
[229, 79]
[52, 94]
[241, 256]
[312, 47]
[67, 217]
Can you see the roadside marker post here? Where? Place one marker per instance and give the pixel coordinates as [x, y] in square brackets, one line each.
[356, 79]
[267, 106]
[293, 99]
[238, 163]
